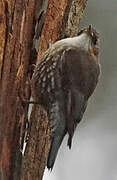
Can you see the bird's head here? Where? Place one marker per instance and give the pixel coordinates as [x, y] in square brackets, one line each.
[93, 39]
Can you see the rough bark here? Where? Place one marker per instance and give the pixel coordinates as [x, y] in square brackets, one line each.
[17, 53]
[37, 147]
[62, 20]
[16, 31]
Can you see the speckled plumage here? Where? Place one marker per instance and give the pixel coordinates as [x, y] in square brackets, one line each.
[62, 83]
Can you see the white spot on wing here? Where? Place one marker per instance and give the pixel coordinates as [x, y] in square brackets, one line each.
[52, 82]
[44, 78]
[43, 67]
[43, 85]
[51, 73]
[48, 89]
[47, 70]
[48, 75]
[54, 64]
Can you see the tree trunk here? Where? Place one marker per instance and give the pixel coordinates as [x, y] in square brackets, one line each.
[16, 33]
[25, 25]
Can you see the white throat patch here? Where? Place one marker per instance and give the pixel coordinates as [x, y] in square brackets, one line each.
[81, 41]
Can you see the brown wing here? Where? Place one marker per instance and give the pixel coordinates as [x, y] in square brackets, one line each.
[80, 77]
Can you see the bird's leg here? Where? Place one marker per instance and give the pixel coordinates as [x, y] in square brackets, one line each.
[26, 101]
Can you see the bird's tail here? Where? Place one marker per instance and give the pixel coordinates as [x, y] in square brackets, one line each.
[55, 145]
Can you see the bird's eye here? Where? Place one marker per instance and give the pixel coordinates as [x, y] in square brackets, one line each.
[94, 38]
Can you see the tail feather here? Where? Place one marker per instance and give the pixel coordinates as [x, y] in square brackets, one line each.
[69, 142]
[55, 145]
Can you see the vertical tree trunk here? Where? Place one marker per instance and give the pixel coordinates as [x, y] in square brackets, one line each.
[16, 32]
[17, 53]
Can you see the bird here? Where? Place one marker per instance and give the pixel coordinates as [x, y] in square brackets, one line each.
[63, 82]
